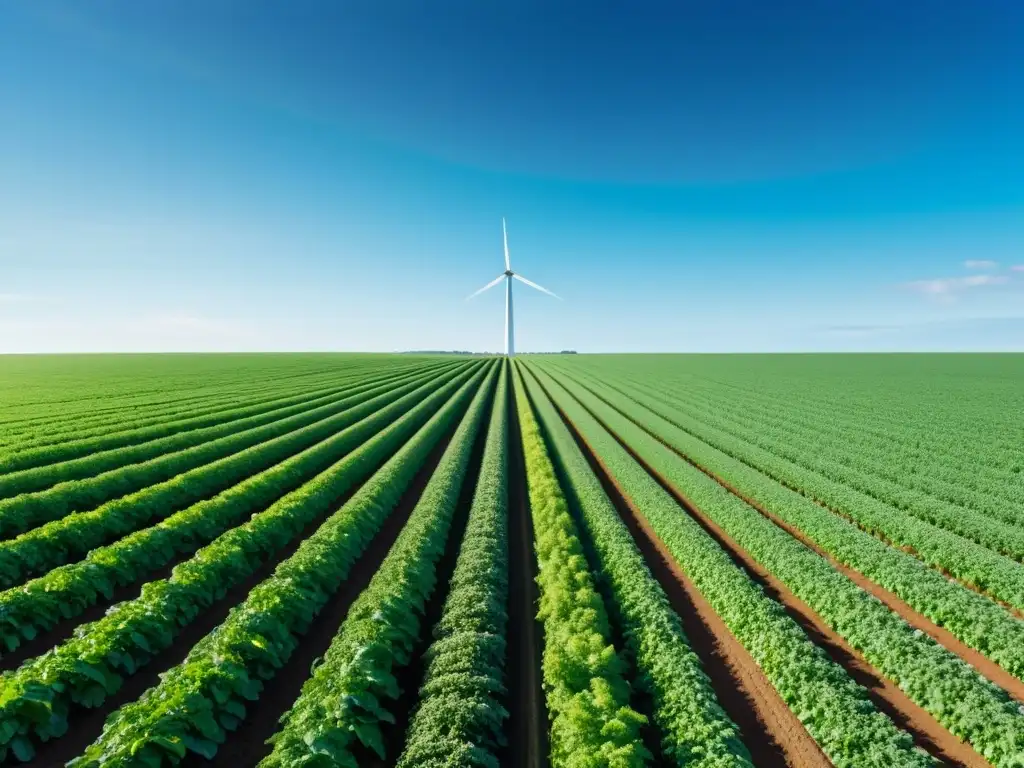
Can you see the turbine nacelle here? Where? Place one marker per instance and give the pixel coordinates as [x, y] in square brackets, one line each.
[508, 275]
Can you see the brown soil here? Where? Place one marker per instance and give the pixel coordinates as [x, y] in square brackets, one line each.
[526, 728]
[926, 731]
[87, 724]
[772, 733]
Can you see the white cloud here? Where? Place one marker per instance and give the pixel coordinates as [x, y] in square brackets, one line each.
[948, 287]
[981, 264]
[1017, 268]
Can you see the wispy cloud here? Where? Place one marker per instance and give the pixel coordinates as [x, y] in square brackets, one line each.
[947, 287]
[1017, 268]
[981, 264]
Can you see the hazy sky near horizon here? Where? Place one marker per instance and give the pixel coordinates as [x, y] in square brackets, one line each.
[728, 176]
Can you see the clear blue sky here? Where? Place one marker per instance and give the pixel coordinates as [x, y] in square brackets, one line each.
[694, 176]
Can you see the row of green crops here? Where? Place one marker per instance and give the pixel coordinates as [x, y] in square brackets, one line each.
[23, 512]
[107, 424]
[80, 386]
[345, 703]
[35, 698]
[199, 701]
[59, 464]
[693, 728]
[54, 543]
[805, 438]
[587, 695]
[833, 708]
[1000, 535]
[941, 415]
[67, 591]
[975, 565]
[972, 618]
[460, 714]
[973, 709]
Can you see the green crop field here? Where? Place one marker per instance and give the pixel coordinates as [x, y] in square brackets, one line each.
[564, 560]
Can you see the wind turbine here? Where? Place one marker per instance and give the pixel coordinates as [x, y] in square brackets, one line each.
[508, 275]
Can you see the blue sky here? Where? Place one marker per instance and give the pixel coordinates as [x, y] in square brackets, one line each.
[689, 176]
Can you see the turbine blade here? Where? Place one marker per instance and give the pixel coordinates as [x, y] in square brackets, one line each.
[504, 233]
[538, 287]
[491, 284]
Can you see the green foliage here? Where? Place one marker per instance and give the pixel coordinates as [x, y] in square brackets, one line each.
[833, 708]
[344, 704]
[205, 462]
[67, 591]
[973, 709]
[201, 699]
[460, 715]
[587, 695]
[38, 469]
[55, 543]
[90, 666]
[694, 729]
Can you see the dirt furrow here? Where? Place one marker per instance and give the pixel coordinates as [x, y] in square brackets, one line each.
[527, 726]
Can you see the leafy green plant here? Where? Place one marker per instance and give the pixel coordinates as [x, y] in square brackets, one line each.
[344, 703]
[55, 543]
[90, 666]
[460, 714]
[835, 710]
[176, 437]
[587, 695]
[694, 729]
[204, 697]
[66, 591]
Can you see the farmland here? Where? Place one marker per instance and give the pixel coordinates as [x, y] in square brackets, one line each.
[429, 560]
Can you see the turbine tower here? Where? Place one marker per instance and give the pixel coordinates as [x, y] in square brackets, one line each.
[508, 275]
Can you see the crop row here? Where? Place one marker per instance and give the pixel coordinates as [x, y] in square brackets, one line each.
[891, 417]
[35, 698]
[973, 564]
[344, 704]
[42, 477]
[694, 729]
[1000, 534]
[832, 707]
[28, 510]
[584, 683]
[200, 700]
[973, 709]
[934, 433]
[26, 470]
[460, 714]
[71, 434]
[46, 547]
[67, 591]
[972, 485]
[973, 619]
